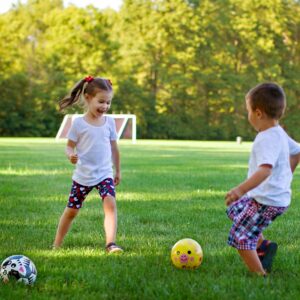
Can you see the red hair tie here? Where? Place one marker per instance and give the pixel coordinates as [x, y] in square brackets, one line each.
[88, 78]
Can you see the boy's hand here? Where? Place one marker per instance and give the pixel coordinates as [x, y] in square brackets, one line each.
[117, 178]
[232, 196]
[73, 158]
[262, 173]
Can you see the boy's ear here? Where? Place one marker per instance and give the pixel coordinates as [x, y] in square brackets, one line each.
[258, 113]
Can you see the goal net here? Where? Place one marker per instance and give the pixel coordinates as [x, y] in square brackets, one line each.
[125, 125]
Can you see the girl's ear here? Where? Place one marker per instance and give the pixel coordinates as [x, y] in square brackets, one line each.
[87, 97]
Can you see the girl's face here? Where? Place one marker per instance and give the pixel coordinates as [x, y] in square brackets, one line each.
[99, 104]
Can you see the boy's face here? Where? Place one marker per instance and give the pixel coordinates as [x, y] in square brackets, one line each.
[254, 116]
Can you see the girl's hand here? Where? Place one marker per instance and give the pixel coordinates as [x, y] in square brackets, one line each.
[117, 178]
[232, 196]
[73, 158]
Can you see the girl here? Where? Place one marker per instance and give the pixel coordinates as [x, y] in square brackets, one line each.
[94, 137]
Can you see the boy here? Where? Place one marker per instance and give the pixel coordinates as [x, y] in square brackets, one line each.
[266, 194]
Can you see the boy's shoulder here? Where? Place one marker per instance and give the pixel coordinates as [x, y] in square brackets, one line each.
[274, 132]
[271, 138]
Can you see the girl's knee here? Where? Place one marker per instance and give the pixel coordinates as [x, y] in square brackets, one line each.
[71, 213]
[109, 202]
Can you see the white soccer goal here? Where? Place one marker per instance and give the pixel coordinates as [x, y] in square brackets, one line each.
[125, 124]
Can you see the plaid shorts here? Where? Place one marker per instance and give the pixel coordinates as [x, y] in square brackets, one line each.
[249, 218]
[79, 192]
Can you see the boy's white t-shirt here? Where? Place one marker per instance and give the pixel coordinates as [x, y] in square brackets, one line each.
[274, 147]
[93, 149]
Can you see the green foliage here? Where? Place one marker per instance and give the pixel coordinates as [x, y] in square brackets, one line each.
[183, 67]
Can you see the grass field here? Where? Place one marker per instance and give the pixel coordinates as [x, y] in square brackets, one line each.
[170, 190]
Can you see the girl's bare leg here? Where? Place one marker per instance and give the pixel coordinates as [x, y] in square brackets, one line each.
[64, 225]
[110, 219]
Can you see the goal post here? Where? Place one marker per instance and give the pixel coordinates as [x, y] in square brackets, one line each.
[125, 125]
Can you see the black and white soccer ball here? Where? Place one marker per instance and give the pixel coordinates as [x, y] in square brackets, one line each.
[20, 268]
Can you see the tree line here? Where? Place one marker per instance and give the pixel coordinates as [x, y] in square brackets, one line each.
[182, 66]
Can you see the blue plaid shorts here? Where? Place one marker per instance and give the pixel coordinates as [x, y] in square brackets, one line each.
[250, 218]
[79, 192]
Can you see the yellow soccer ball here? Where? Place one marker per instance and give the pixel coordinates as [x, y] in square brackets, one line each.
[187, 254]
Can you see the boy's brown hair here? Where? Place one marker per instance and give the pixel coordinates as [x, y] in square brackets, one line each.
[268, 97]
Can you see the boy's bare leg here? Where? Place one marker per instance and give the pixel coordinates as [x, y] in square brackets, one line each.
[252, 261]
[260, 240]
[110, 219]
[64, 225]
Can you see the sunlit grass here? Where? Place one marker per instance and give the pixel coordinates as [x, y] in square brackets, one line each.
[170, 190]
[29, 172]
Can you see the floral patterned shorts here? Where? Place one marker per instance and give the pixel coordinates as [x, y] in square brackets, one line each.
[79, 192]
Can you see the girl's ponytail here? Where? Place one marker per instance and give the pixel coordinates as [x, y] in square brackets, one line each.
[89, 85]
[74, 95]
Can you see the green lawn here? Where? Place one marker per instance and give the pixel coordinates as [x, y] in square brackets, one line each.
[170, 190]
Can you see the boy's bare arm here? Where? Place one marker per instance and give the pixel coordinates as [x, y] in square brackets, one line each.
[263, 172]
[294, 161]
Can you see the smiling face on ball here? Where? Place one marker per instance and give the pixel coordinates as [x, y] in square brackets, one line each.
[186, 254]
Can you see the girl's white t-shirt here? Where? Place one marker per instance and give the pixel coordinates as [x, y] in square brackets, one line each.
[274, 147]
[93, 149]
